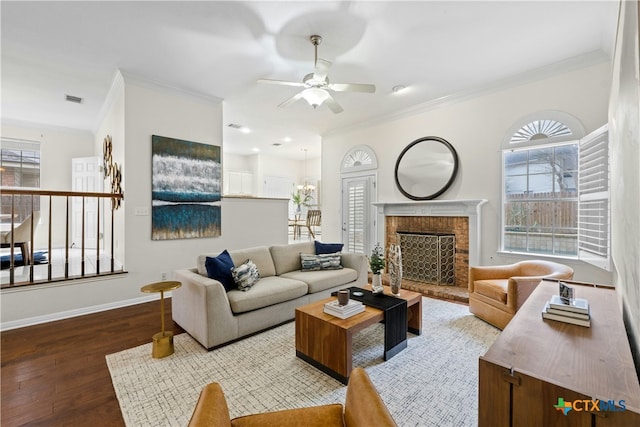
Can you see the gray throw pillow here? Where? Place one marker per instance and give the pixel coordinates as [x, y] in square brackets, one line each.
[321, 262]
[245, 275]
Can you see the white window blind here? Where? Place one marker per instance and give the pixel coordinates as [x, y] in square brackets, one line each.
[356, 219]
[594, 212]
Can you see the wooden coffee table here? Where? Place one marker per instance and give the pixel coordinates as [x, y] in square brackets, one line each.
[325, 341]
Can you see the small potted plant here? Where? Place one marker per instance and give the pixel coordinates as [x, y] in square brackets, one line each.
[376, 263]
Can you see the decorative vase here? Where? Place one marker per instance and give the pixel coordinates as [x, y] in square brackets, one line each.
[376, 284]
[394, 265]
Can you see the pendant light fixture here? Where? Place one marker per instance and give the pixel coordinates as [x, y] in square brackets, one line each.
[306, 188]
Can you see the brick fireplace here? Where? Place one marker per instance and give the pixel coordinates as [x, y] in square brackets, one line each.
[458, 218]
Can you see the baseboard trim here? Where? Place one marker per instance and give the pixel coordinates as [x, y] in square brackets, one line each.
[36, 320]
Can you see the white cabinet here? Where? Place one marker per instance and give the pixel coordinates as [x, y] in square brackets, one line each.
[238, 183]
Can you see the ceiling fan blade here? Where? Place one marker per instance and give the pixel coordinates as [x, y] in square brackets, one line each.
[333, 105]
[352, 87]
[322, 68]
[281, 82]
[291, 100]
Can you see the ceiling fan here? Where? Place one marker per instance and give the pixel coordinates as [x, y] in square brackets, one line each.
[316, 85]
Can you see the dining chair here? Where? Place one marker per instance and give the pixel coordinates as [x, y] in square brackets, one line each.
[314, 219]
[21, 235]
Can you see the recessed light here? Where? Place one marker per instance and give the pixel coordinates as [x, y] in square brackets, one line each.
[287, 139]
[255, 149]
[245, 130]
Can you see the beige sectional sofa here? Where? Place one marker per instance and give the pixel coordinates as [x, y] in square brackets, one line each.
[215, 317]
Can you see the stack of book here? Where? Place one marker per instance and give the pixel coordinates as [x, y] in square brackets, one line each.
[343, 311]
[576, 311]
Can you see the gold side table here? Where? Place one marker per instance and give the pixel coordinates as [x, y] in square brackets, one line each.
[163, 340]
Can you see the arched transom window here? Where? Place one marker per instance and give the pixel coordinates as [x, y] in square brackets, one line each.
[360, 157]
[540, 129]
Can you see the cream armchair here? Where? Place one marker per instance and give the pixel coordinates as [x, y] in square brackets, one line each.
[21, 235]
[497, 292]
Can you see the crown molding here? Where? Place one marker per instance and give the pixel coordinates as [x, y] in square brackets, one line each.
[141, 81]
[42, 126]
[572, 64]
[117, 84]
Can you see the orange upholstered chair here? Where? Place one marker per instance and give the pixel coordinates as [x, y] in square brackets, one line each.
[497, 292]
[363, 407]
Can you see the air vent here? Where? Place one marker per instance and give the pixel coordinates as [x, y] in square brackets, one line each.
[72, 98]
[241, 128]
[276, 144]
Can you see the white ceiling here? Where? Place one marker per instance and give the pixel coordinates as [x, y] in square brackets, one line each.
[219, 49]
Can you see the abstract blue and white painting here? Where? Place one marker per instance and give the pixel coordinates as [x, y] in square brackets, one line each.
[186, 189]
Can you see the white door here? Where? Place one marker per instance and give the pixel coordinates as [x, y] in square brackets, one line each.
[358, 215]
[86, 177]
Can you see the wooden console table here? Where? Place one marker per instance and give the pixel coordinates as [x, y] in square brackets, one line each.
[535, 362]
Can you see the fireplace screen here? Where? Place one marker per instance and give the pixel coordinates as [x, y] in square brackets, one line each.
[428, 257]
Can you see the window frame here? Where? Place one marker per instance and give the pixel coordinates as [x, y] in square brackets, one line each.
[12, 144]
[577, 133]
[366, 172]
[20, 207]
[578, 136]
[540, 145]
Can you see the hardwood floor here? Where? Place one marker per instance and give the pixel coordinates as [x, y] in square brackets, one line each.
[55, 374]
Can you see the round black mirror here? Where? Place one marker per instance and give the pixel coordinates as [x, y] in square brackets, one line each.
[426, 168]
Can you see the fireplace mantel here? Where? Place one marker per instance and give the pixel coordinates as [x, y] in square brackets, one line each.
[465, 208]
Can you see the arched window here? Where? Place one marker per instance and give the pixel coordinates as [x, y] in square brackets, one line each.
[540, 129]
[359, 158]
[540, 185]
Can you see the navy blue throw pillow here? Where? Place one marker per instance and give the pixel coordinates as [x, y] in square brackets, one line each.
[328, 248]
[219, 268]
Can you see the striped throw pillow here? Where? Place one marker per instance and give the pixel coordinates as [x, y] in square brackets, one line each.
[320, 262]
[245, 275]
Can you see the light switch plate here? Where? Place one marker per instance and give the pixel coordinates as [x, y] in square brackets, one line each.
[142, 211]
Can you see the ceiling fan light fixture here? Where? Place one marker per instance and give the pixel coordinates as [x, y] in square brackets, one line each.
[315, 96]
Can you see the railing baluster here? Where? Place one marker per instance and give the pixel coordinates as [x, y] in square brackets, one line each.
[12, 278]
[49, 252]
[113, 212]
[31, 272]
[66, 246]
[82, 241]
[31, 245]
[98, 237]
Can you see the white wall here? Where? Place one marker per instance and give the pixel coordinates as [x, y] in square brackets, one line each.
[476, 128]
[57, 147]
[236, 162]
[146, 110]
[624, 128]
[112, 124]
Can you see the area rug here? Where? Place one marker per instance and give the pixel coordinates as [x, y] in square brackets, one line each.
[433, 382]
